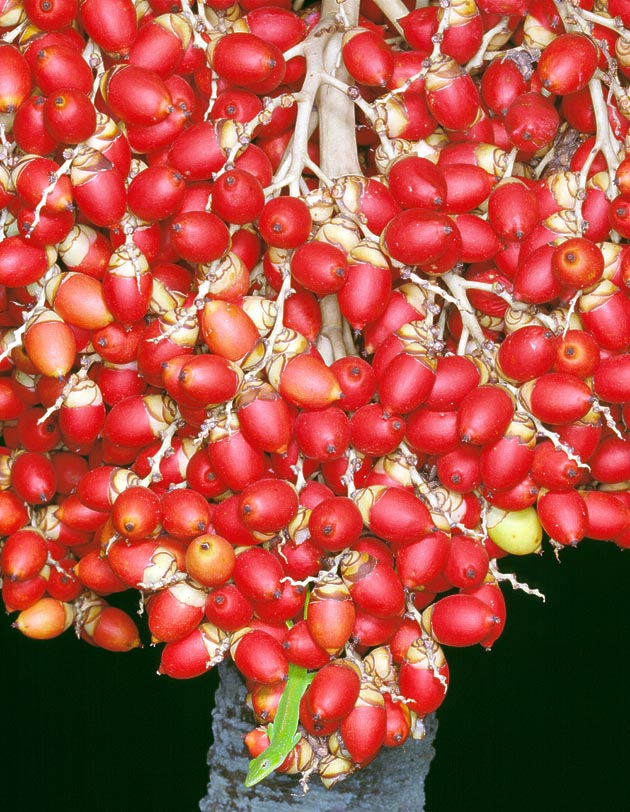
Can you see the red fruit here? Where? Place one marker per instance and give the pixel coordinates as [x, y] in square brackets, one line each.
[505, 463]
[33, 477]
[407, 633]
[210, 560]
[21, 263]
[257, 574]
[363, 729]
[15, 81]
[69, 116]
[13, 513]
[289, 605]
[370, 630]
[302, 650]
[502, 83]
[159, 45]
[268, 505]
[553, 468]
[417, 236]
[228, 608]
[319, 267]
[375, 431]
[459, 469]
[285, 222]
[136, 513]
[45, 619]
[23, 555]
[417, 182]
[419, 563]
[559, 397]
[194, 654]
[394, 514]
[28, 127]
[198, 151]
[110, 628]
[374, 586]
[423, 676]
[36, 434]
[176, 611]
[490, 593]
[608, 516]
[265, 419]
[405, 383]
[611, 380]
[260, 657]
[356, 379]
[451, 94]
[398, 723]
[59, 66]
[228, 330]
[138, 420]
[236, 461]
[534, 281]
[156, 193]
[455, 376]
[237, 197]
[365, 293]
[77, 517]
[19, 595]
[112, 25]
[484, 415]
[368, 199]
[335, 523]
[185, 513]
[513, 209]
[308, 383]
[333, 692]
[403, 306]
[199, 236]
[323, 434]
[577, 263]
[249, 61]
[527, 353]
[144, 563]
[605, 313]
[577, 353]
[367, 56]
[564, 516]
[237, 104]
[94, 572]
[467, 563]
[331, 615]
[531, 122]
[610, 462]
[517, 498]
[98, 187]
[467, 186]
[460, 620]
[567, 63]
[136, 95]
[207, 380]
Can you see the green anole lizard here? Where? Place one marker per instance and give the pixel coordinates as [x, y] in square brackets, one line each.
[283, 735]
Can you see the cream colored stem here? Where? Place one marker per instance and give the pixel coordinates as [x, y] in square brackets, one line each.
[337, 140]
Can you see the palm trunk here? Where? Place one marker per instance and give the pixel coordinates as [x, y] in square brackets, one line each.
[393, 781]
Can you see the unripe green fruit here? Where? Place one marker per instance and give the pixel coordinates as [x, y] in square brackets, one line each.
[516, 531]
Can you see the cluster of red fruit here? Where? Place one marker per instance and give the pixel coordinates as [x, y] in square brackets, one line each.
[307, 318]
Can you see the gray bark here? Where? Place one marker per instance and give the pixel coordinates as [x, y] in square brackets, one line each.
[393, 781]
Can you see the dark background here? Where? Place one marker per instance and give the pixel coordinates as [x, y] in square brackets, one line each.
[539, 722]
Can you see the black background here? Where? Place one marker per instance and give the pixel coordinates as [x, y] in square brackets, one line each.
[539, 722]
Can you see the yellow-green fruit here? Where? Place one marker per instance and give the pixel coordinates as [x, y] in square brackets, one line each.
[516, 531]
